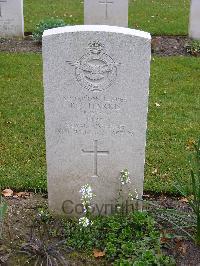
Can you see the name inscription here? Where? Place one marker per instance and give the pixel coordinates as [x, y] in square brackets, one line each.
[7, 25]
[95, 103]
[95, 116]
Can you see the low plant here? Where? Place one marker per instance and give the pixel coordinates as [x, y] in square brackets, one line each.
[129, 238]
[3, 209]
[193, 48]
[126, 194]
[42, 253]
[41, 248]
[45, 25]
[123, 240]
[191, 189]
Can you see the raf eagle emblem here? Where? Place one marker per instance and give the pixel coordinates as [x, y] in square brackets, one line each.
[95, 71]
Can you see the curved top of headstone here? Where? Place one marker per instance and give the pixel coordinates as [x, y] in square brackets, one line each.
[97, 28]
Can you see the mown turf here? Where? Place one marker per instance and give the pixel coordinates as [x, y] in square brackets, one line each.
[175, 86]
[170, 17]
[22, 154]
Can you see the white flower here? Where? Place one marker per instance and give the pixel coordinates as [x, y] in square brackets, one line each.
[131, 196]
[86, 197]
[124, 177]
[86, 192]
[84, 221]
[136, 194]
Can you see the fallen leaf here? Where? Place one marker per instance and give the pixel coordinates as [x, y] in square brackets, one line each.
[157, 104]
[7, 192]
[23, 195]
[181, 247]
[184, 200]
[190, 144]
[164, 240]
[146, 195]
[155, 171]
[98, 253]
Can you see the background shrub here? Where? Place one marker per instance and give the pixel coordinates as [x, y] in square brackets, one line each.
[45, 25]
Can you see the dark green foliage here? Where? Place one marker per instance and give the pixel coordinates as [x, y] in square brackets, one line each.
[126, 240]
[45, 25]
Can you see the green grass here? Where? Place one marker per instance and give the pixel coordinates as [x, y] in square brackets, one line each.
[174, 85]
[69, 10]
[22, 123]
[168, 17]
[160, 17]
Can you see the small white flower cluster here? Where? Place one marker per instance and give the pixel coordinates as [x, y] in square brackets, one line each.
[136, 195]
[84, 221]
[124, 177]
[86, 198]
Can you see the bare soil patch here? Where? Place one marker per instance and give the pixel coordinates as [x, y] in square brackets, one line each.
[161, 45]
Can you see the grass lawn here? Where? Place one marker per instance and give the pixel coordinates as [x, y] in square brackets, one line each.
[175, 84]
[168, 17]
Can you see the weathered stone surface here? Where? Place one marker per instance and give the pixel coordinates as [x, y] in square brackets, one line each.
[11, 18]
[96, 81]
[106, 12]
[194, 28]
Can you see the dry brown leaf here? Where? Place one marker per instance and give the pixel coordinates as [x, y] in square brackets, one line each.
[146, 196]
[23, 195]
[157, 104]
[164, 240]
[182, 247]
[185, 200]
[190, 144]
[98, 253]
[7, 192]
[155, 171]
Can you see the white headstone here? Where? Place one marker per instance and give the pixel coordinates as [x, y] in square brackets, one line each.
[96, 81]
[106, 12]
[194, 29]
[11, 18]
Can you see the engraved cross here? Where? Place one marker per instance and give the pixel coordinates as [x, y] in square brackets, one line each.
[2, 1]
[106, 3]
[96, 152]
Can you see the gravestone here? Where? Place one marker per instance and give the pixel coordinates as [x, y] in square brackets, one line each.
[96, 81]
[11, 18]
[194, 28]
[106, 12]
